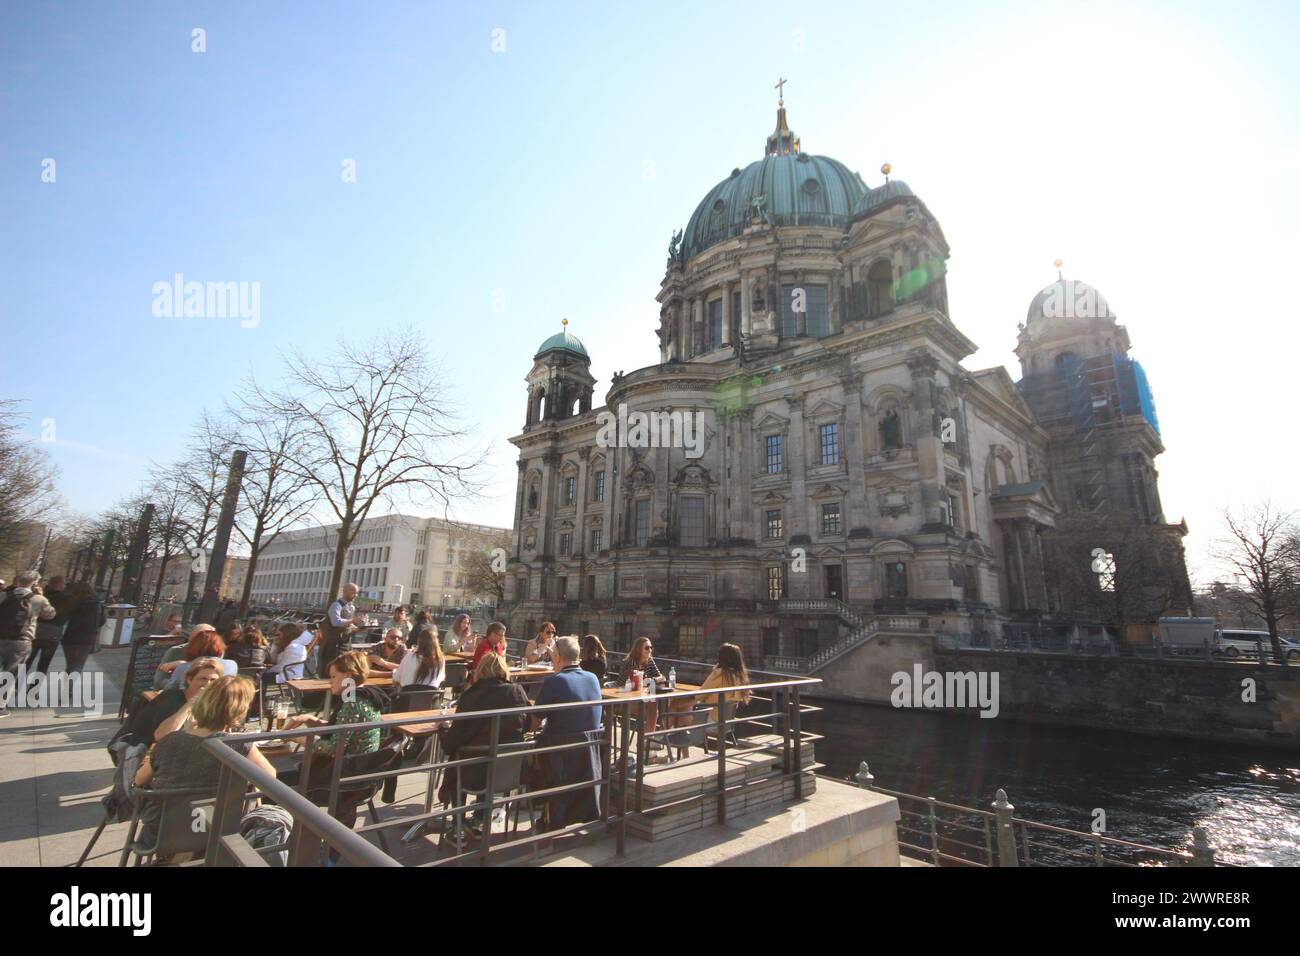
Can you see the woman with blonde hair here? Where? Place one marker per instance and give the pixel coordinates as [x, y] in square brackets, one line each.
[181, 761]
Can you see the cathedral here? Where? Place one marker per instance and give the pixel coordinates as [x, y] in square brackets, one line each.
[844, 466]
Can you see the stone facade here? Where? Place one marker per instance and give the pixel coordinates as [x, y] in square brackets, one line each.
[842, 454]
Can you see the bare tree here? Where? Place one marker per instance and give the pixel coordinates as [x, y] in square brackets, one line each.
[203, 472]
[1113, 569]
[485, 567]
[27, 487]
[1261, 549]
[376, 430]
[275, 497]
[168, 490]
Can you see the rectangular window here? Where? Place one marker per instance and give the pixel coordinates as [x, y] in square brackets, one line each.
[566, 543]
[642, 522]
[561, 588]
[446, 579]
[829, 444]
[813, 305]
[522, 588]
[774, 584]
[831, 518]
[570, 482]
[591, 595]
[598, 494]
[773, 524]
[715, 323]
[771, 641]
[895, 579]
[775, 454]
[597, 540]
[692, 523]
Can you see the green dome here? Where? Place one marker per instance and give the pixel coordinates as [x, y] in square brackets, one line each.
[873, 199]
[564, 341]
[796, 189]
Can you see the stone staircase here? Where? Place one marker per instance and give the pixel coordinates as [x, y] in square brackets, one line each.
[861, 631]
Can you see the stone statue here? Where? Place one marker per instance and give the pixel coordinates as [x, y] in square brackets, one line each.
[891, 430]
[674, 247]
[758, 202]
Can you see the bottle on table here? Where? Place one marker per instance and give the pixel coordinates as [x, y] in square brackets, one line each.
[672, 678]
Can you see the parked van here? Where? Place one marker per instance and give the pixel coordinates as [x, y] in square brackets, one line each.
[1242, 642]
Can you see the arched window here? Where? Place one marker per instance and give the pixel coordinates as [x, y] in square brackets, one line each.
[891, 428]
[880, 288]
[1065, 359]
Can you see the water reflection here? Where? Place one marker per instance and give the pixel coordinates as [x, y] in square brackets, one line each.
[1153, 790]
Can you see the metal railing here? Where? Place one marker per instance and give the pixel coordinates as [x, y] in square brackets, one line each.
[948, 834]
[618, 777]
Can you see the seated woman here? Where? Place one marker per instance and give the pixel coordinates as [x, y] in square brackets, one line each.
[491, 690]
[354, 703]
[594, 658]
[288, 653]
[145, 724]
[423, 667]
[388, 653]
[180, 761]
[204, 641]
[641, 658]
[423, 622]
[246, 646]
[728, 672]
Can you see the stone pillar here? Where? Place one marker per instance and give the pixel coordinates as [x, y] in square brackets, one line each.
[521, 496]
[1018, 555]
[927, 446]
[726, 313]
[698, 338]
[746, 306]
[796, 462]
[580, 493]
[855, 450]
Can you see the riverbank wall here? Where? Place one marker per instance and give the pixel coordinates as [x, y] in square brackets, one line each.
[1168, 697]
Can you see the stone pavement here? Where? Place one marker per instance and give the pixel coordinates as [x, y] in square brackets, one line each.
[54, 769]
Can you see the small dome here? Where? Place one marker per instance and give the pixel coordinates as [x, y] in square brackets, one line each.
[563, 341]
[873, 199]
[1068, 299]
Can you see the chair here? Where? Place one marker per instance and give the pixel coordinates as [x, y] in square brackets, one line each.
[457, 675]
[352, 796]
[692, 731]
[416, 697]
[255, 675]
[507, 773]
[174, 828]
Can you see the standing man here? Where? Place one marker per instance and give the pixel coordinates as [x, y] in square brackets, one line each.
[338, 625]
[21, 607]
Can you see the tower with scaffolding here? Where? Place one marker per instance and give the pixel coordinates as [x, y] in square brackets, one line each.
[1095, 403]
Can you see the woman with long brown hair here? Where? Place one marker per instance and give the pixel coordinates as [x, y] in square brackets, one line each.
[593, 657]
[425, 666]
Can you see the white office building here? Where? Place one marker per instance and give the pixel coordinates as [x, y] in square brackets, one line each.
[396, 559]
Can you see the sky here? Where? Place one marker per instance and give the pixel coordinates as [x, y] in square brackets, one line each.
[480, 171]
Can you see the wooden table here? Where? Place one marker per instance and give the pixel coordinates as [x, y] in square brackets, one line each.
[618, 693]
[309, 685]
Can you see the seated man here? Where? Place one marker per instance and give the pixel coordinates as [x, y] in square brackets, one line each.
[387, 655]
[493, 642]
[569, 683]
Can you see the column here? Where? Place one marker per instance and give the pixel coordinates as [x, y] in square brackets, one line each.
[726, 313]
[856, 452]
[746, 306]
[928, 448]
[797, 463]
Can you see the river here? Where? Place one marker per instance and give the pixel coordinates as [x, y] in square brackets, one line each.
[1153, 790]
